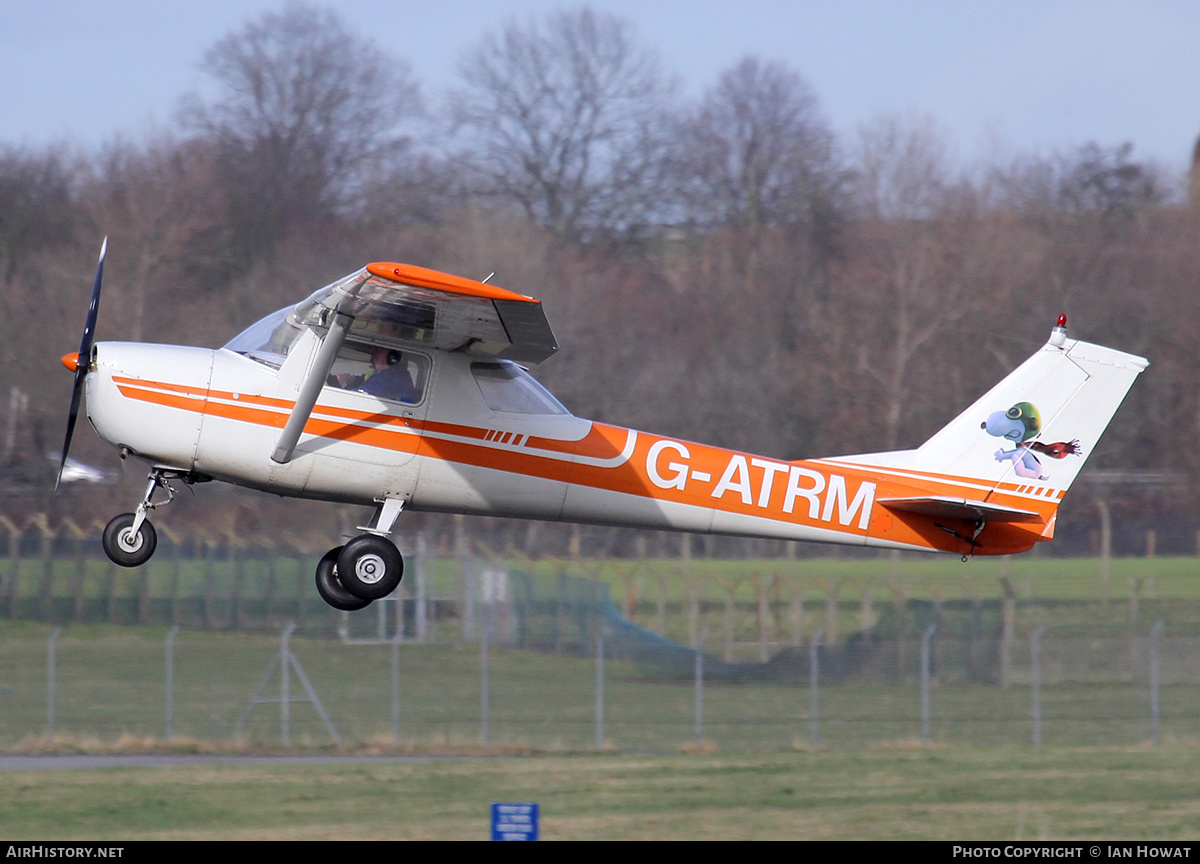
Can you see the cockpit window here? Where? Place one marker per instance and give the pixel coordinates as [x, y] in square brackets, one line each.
[387, 373]
[267, 341]
[508, 387]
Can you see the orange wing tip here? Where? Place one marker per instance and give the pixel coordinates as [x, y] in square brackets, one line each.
[71, 361]
[439, 281]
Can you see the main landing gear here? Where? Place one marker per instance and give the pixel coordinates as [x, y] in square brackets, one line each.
[367, 568]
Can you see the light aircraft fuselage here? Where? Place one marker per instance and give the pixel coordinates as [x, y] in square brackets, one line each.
[299, 405]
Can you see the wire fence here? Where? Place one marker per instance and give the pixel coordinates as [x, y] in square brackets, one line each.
[231, 647]
[192, 689]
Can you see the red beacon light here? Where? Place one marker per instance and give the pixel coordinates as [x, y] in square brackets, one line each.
[1058, 335]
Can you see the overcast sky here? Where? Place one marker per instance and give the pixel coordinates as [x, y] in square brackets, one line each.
[1012, 76]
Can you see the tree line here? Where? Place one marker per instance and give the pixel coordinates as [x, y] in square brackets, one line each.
[723, 268]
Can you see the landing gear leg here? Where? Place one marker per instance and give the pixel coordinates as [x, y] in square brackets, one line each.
[130, 539]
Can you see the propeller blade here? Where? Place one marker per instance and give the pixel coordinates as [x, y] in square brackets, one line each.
[82, 361]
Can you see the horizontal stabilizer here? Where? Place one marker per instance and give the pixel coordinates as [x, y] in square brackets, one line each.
[960, 508]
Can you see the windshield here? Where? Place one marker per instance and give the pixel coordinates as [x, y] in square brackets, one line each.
[267, 341]
[508, 387]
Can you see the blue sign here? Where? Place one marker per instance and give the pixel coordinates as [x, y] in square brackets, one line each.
[514, 821]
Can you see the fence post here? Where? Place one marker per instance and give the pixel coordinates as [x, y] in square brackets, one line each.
[46, 556]
[1105, 550]
[484, 688]
[170, 694]
[600, 692]
[396, 687]
[110, 594]
[925, 651]
[51, 680]
[176, 576]
[9, 586]
[419, 611]
[814, 673]
[287, 663]
[698, 701]
[235, 555]
[761, 615]
[302, 585]
[270, 555]
[1035, 662]
[285, 690]
[208, 618]
[1008, 626]
[80, 536]
[142, 607]
[1155, 728]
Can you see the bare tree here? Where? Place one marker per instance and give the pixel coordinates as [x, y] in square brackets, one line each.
[1108, 182]
[755, 165]
[36, 204]
[756, 152]
[165, 217]
[562, 118]
[306, 108]
[902, 168]
[921, 261]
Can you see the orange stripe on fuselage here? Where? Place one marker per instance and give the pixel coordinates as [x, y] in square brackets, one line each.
[818, 493]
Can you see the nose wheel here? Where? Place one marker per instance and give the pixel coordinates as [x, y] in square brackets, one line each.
[127, 545]
[129, 539]
[365, 569]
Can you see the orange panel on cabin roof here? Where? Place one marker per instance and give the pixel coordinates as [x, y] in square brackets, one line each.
[425, 278]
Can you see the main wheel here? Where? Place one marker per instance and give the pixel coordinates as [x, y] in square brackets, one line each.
[370, 567]
[126, 548]
[330, 588]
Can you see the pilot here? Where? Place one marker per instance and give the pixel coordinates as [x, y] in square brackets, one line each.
[389, 377]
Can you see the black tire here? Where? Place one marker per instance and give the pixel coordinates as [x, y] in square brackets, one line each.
[331, 589]
[370, 567]
[127, 550]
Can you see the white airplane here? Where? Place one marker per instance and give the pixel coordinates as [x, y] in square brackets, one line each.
[406, 388]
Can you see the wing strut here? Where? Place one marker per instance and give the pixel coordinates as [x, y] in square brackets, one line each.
[311, 388]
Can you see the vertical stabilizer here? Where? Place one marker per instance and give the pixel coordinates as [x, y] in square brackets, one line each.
[1039, 425]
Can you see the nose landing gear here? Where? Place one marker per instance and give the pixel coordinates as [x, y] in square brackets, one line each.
[129, 539]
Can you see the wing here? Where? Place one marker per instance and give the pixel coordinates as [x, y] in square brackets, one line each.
[397, 304]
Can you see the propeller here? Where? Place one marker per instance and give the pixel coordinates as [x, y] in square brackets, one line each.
[78, 363]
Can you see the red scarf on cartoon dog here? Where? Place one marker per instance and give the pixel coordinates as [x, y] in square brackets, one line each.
[1055, 451]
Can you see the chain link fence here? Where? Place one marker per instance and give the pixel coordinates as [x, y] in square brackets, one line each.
[234, 649]
[193, 689]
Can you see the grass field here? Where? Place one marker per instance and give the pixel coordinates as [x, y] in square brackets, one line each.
[939, 794]
[751, 777]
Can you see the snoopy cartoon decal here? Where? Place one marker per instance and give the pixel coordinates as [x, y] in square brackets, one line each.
[1019, 424]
